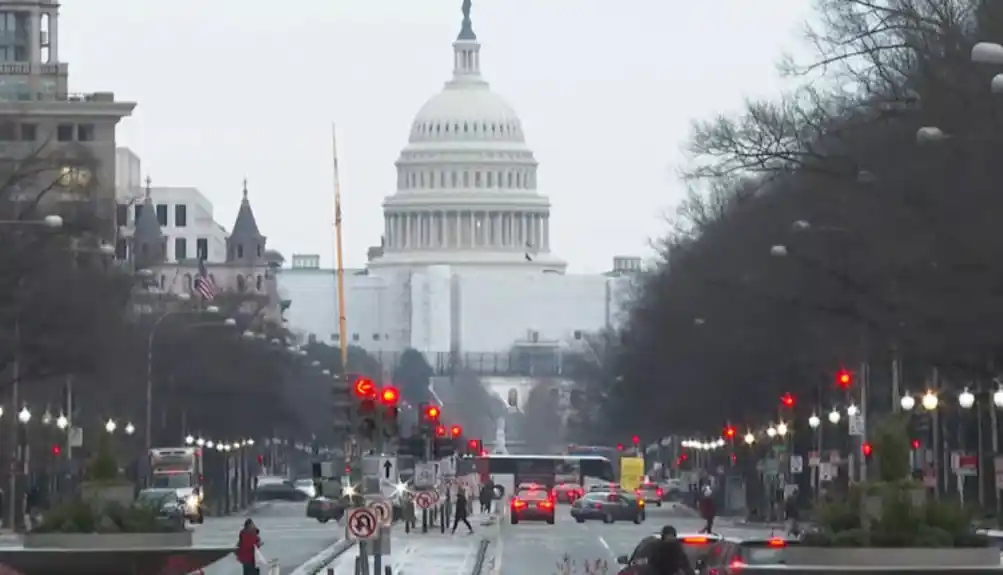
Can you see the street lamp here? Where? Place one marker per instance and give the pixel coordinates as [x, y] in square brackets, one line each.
[62, 422]
[248, 334]
[24, 416]
[209, 444]
[966, 399]
[110, 426]
[130, 428]
[852, 410]
[782, 429]
[771, 431]
[315, 363]
[326, 372]
[834, 416]
[997, 399]
[189, 440]
[907, 402]
[200, 442]
[987, 53]
[930, 401]
[750, 438]
[930, 135]
[250, 442]
[814, 421]
[778, 251]
[801, 226]
[46, 418]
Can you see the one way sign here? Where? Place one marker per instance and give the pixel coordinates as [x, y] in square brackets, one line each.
[389, 476]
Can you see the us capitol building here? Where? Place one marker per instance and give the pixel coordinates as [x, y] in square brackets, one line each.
[465, 272]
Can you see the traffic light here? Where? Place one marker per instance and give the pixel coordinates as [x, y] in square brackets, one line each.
[844, 379]
[389, 396]
[619, 447]
[344, 403]
[443, 447]
[787, 400]
[56, 449]
[455, 431]
[915, 444]
[729, 433]
[440, 431]
[867, 449]
[364, 388]
[365, 392]
[474, 447]
[431, 413]
[635, 440]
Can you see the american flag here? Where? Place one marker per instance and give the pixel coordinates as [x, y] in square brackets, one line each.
[204, 284]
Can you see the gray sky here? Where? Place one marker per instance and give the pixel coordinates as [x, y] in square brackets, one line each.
[606, 92]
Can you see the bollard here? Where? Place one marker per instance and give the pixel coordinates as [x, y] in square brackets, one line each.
[424, 520]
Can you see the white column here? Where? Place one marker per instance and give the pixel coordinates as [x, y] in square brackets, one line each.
[546, 232]
[538, 231]
[473, 229]
[53, 37]
[457, 243]
[434, 216]
[386, 230]
[34, 49]
[407, 230]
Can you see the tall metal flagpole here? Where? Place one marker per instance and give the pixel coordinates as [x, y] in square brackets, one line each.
[339, 261]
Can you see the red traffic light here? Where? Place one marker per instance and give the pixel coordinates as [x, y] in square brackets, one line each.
[456, 431]
[432, 413]
[867, 449]
[915, 444]
[787, 400]
[364, 388]
[389, 396]
[56, 449]
[729, 432]
[440, 431]
[473, 444]
[619, 447]
[635, 440]
[844, 378]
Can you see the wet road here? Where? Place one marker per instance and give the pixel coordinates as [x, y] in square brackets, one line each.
[286, 533]
[541, 548]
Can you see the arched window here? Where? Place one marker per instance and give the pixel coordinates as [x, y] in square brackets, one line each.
[241, 283]
[240, 251]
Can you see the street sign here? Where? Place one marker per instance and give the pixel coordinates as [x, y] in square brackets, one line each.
[76, 437]
[797, 464]
[383, 510]
[426, 499]
[813, 459]
[964, 463]
[361, 524]
[856, 425]
[825, 471]
[388, 469]
[447, 466]
[424, 475]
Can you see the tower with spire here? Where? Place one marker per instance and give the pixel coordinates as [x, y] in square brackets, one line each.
[149, 248]
[466, 50]
[246, 245]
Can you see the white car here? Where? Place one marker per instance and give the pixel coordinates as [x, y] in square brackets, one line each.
[306, 486]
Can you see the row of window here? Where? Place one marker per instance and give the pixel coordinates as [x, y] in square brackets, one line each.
[486, 130]
[180, 249]
[243, 282]
[237, 252]
[29, 132]
[180, 214]
[516, 179]
[355, 337]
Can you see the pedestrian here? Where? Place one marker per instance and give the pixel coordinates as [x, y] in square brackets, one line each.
[461, 511]
[708, 508]
[32, 506]
[669, 558]
[486, 496]
[792, 514]
[248, 543]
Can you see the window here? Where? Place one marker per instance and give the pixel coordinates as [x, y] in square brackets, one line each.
[64, 133]
[180, 249]
[180, 215]
[162, 215]
[376, 337]
[202, 248]
[259, 283]
[122, 215]
[85, 133]
[8, 132]
[121, 249]
[240, 251]
[355, 337]
[29, 132]
[241, 283]
[259, 250]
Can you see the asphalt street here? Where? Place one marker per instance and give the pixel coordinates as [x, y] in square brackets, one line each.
[286, 533]
[431, 553]
[538, 548]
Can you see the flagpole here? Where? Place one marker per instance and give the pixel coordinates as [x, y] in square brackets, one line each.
[339, 261]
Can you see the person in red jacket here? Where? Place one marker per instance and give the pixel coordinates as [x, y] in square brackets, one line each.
[248, 542]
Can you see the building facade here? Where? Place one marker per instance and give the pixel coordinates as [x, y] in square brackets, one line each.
[71, 136]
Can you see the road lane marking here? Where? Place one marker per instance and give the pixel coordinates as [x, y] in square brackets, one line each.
[602, 541]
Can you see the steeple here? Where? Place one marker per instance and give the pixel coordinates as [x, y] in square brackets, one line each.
[148, 246]
[466, 50]
[245, 244]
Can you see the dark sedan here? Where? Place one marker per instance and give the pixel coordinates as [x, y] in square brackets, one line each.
[608, 507]
[533, 505]
[697, 547]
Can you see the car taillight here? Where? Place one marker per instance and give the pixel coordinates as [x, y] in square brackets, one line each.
[659, 491]
[546, 505]
[694, 540]
[776, 542]
[518, 504]
[736, 565]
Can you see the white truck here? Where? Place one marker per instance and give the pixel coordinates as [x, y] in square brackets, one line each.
[180, 468]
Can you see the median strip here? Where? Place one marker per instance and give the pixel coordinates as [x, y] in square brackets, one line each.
[325, 557]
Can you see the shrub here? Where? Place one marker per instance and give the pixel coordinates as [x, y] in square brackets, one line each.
[81, 517]
[103, 466]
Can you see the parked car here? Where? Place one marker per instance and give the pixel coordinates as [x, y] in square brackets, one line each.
[609, 507]
[165, 502]
[284, 491]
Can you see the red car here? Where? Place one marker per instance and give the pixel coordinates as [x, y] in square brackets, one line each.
[532, 505]
[697, 548]
[568, 492]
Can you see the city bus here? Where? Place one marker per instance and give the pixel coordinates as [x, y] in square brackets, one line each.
[609, 452]
[508, 471]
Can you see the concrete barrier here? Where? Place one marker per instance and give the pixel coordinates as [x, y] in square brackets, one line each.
[869, 570]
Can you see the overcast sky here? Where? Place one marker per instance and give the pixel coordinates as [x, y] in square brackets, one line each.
[606, 92]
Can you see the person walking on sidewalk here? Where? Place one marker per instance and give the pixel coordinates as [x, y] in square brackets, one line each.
[248, 542]
[460, 514]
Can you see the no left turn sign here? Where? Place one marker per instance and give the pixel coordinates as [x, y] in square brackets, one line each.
[361, 523]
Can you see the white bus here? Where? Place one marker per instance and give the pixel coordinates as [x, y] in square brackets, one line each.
[508, 471]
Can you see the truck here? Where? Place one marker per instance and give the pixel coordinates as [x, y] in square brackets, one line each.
[180, 468]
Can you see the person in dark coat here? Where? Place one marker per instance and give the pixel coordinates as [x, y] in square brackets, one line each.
[487, 496]
[669, 558]
[248, 542]
[708, 509]
[461, 510]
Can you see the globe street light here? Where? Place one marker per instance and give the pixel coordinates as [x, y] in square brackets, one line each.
[782, 429]
[930, 401]
[248, 334]
[966, 399]
[315, 363]
[230, 322]
[189, 440]
[997, 399]
[326, 372]
[62, 422]
[209, 444]
[987, 53]
[200, 442]
[771, 431]
[24, 416]
[46, 418]
[720, 442]
[130, 428]
[778, 251]
[834, 416]
[930, 135]
[814, 421]
[907, 402]
[53, 221]
[750, 438]
[110, 426]
[852, 410]
[250, 442]
[212, 309]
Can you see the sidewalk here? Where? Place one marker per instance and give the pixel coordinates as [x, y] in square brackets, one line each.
[432, 552]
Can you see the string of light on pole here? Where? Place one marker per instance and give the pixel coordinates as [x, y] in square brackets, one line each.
[218, 445]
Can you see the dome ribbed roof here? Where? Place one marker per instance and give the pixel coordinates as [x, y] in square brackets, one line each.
[466, 111]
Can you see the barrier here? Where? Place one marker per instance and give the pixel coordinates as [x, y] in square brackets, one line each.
[868, 570]
[482, 553]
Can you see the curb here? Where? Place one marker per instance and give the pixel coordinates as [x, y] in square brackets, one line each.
[325, 557]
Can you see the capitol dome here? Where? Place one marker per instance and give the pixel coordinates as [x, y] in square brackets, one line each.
[466, 181]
